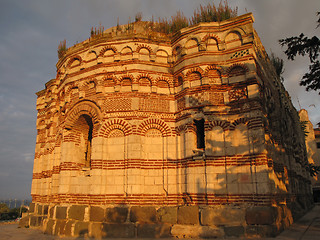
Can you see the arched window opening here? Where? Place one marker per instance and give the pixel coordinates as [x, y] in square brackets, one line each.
[199, 124]
[84, 127]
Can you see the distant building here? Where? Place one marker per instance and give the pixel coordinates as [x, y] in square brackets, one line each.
[143, 134]
[313, 147]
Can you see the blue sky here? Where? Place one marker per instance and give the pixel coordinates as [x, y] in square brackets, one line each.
[30, 31]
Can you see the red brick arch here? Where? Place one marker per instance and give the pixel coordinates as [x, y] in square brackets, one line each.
[235, 66]
[145, 75]
[210, 35]
[197, 69]
[140, 46]
[120, 124]
[217, 123]
[213, 67]
[237, 122]
[74, 58]
[106, 48]
[84, 107]
[154, 123]
[168, 81]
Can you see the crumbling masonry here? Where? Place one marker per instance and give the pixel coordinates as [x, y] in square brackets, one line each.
[142, 134]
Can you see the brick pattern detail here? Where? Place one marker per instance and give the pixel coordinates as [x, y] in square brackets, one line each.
[238, 94]
[117, 104]
[154, 105]
[181, 103]
[198, 99]
[170, 200]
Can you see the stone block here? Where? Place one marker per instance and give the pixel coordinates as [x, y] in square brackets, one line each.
[24, 222]
[116, 214]
[39, 209]
[147, 230]
[68, 228]
[188, 215]
[76, 212]
[60, 227]
[49, 227]
[222, 216]
[97, 214]
[45, 209]
[81, 229]
[61, 212]
[261, 231]
[261, 215]
[196, 231]
[32, 207]
[35, 221]
[96, 230]
[51, 212]
[167, 214]
[234, 231]
[115, 230]
[143, 214]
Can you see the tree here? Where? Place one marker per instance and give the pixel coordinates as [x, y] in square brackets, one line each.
[4, 208]
[302, 45]
[278, 65]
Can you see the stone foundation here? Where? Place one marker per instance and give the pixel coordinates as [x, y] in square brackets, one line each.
[159, 221]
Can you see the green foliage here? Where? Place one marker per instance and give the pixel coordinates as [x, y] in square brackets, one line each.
[4, 208]
[208, 13]
[62, 48]
[97, 31]
[138, 17]
[278, 65]
[312, 169]
[10, 214]
[303, 125]
[211, 13]
[173, 25]
[302, 45]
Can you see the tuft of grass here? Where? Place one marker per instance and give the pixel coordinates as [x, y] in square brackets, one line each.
[211, 13]
[208, 13]
[97, 31]
[62, 48]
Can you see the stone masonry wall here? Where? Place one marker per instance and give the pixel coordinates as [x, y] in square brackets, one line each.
[191, 135]
[123, 221]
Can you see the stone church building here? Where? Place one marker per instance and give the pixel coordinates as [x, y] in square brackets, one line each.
[143, 134]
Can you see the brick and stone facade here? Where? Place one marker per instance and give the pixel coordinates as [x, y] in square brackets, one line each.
[143, 134]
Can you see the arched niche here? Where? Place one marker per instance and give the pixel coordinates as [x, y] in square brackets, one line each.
[145, 84]
[162, 56]
[191, 46]
[194, 79]
[163, 87]
[144, 54]
[237, 74]
[91, 55]
[212, 44]
[126, 84]
[233, 39]
[126, 54]
[214, 77]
